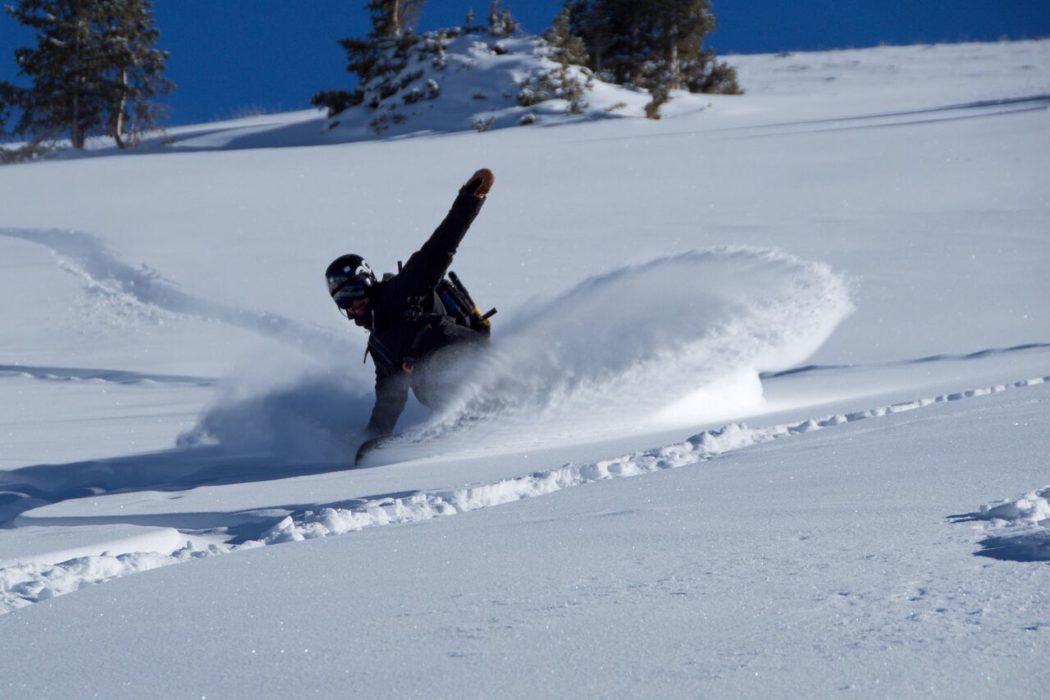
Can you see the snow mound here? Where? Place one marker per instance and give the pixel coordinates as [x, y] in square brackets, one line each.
[1030, 509]
[1021, 527]
[22, 585]
[457, 82]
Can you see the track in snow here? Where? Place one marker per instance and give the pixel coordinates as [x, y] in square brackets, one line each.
[110, 376]
[24, 584]
[979, 109]
[915, 117]
[105, 274]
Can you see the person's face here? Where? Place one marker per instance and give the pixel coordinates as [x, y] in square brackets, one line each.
[357, 312]
[357, 308]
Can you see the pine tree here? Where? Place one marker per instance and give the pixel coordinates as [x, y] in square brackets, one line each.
[94, 70]
[592, 27]
[383, 53]
[654, 44]
[567, 48]
[468, 23]
[138, 68]
[687, 65]
[681, 27]
[616, 33]
[5, 109]
[393, 18]
[566, 81]
[501, 23]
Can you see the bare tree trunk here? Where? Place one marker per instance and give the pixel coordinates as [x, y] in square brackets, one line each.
[673, 65]
[76, 135]
[395, 18]
[117, 121]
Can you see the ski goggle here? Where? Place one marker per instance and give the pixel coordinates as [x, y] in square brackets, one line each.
[350, 291]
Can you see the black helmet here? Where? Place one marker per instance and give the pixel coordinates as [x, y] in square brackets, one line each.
[349, 278]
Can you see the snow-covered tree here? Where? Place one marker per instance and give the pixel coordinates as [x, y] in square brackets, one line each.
[567, 82]
[501, 23]
[381, 54]
[94, 70]
[566, 48]
[654, 44]
[468, 22]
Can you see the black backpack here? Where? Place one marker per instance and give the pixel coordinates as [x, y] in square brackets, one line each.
[459, 305]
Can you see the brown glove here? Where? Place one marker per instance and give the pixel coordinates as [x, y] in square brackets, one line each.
[480, 182]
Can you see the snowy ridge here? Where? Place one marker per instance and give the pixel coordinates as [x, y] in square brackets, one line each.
[24, 584]
[454, 82]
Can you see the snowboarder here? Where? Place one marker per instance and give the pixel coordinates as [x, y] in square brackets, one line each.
[414, 338]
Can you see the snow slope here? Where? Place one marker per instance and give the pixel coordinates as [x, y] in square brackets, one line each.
[765, 414]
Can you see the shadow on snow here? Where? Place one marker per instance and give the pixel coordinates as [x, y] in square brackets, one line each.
[171, 470]
[1030, 546]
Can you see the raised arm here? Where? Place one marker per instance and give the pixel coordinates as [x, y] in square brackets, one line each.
[429, 264]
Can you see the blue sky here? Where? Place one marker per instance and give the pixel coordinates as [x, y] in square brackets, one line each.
[231, 57]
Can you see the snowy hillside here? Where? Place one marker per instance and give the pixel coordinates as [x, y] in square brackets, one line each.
[480, 82]
[765, 412]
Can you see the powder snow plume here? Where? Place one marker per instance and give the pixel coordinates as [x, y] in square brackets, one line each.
[674, 341]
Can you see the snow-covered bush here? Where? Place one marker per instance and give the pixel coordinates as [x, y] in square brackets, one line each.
[465, 78]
